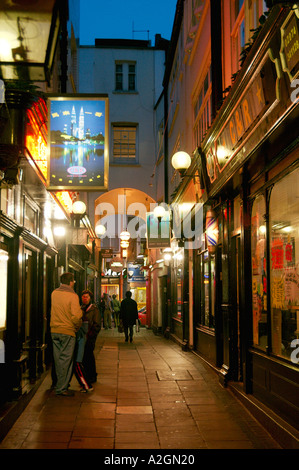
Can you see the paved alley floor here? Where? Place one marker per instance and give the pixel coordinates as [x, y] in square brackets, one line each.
[149, 395]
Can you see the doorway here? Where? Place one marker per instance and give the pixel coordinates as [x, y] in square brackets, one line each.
[237, 360]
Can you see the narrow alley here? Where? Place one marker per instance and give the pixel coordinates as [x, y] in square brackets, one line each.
[149, 395]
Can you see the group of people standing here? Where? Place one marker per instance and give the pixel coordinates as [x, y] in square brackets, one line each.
[110, 308]
[74, 330]
[124, 313]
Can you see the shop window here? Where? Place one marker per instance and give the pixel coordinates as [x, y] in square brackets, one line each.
[178, 264]
[237, 215]
[259, 273]
[284, 264]
[3, 288]
[207, 280]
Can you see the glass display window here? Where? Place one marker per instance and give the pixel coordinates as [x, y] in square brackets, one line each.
[205, 289]
[178, 266]
[3, 284]
[284, 265]
[259, 273]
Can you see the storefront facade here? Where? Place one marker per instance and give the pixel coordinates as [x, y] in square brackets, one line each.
[246, 293]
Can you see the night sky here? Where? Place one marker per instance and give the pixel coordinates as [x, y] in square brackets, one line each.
[114, 19]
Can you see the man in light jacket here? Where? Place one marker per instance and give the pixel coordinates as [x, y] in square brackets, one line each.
[66, 319]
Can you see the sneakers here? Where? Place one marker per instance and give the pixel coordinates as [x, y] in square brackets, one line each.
[84, 390]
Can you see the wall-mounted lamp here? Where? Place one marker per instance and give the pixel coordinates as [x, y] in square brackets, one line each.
[181, 161]
[79, 207]
[59, 231]
[100, 230]
[79, 211]
[159, 212]
[212, 231]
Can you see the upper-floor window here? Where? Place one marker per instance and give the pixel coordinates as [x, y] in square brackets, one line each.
[30, 216]
[124, 142]
[125, 76]
[237, 32]
[256, 8]
[202, 109]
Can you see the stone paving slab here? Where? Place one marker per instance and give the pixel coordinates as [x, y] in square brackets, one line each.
[149, 395]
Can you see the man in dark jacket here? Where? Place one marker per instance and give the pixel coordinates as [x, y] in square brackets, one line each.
[128, 315]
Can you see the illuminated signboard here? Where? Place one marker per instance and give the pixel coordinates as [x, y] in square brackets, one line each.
[289, 51]
[78, 143]
[36, 136]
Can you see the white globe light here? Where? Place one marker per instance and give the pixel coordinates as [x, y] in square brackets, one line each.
[125, 236]
[100, 230]
[59, 231]
[79, 207]
[181, 161]
[159, 212]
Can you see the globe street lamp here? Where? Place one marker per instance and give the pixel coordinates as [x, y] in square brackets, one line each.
[181, 161]
[79, 210]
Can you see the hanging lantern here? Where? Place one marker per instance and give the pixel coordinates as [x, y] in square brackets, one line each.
[212, 232]
[125, 236]
[124, 244]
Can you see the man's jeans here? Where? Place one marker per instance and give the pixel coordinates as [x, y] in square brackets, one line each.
[63, 352]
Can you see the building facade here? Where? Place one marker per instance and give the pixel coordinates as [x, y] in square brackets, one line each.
[32, 256]
[130, 73]
[234, 296]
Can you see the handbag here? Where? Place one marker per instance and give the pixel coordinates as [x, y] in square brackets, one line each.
[120, 327]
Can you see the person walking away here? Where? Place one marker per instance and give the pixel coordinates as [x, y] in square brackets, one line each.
[128, 315]
[107, 312]
[94, 326]
[101, 306]
[79, 369]
[116, 309]
[66, 320]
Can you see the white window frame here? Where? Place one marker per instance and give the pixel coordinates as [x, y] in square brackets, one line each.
[126, 74]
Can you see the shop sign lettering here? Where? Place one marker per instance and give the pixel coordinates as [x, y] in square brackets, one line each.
[289, 52]
[251, 105]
